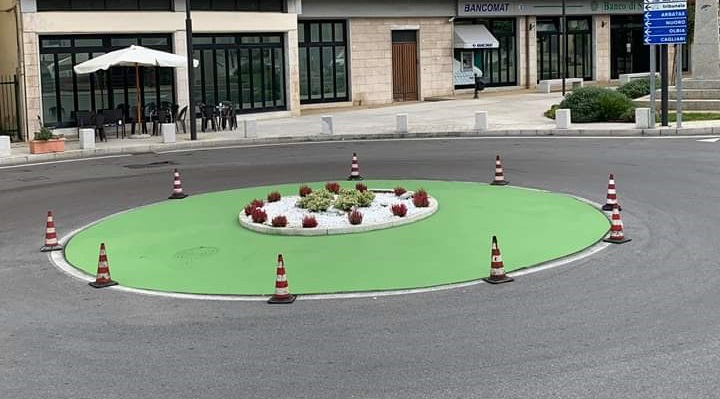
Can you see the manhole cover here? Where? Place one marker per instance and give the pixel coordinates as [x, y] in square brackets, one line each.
[190, 255]
[157, 164]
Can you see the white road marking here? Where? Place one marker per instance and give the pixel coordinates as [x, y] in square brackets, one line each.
[64, 161]
[715, 140]
[57, 258]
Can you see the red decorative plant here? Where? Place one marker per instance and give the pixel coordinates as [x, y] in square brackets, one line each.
[361, 187]
[279, 221]
[420, 199]
[309, 221]
[355, 217]
[249, 209]
[305, 191]
[258, 215]
[399, 191]
[333, 187]
[257, 203]
[273, 196]
[399, 210]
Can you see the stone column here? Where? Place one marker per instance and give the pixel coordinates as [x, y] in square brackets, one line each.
[530, 64]
[181, 78]
[601, 46]
[706, 43]
[292, 76]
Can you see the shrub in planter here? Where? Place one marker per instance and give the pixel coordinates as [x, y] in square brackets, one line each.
[399, 210]
[355, 217]
[44, 141]
[273, 196]
[349, 199]
[304, 191]
[399, 191]
[420, 199]
[309, 221]
[257, 203]
[635, 88]
[596, 104]
[279, 221]
[258, 215]
[333, 187]
[317, 201]
[360, 187]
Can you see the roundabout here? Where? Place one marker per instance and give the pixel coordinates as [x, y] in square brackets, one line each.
[197, 246]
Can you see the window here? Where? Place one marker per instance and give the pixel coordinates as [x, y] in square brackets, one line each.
[323, 61]
[246, 70]
[93, 5]
[579, 47]
[497, 66]
[63, 92]
[238, 5]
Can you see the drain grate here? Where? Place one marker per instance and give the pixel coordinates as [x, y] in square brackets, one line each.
[157, 164]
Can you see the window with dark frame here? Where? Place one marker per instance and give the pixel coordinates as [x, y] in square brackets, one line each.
[549, 48]
[105, 5]
[64, 93]
[323, 61]
[498, 65]
[247, 70]
[238, 5]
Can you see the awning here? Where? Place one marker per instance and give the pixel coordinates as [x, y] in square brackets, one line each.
[474, 36]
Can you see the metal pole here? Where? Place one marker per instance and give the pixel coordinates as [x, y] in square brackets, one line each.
[653, 86]
[564, 52]
[664, 84]
[678, 83]
[190, 71]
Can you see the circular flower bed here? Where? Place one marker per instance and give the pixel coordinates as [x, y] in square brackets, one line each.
[335, 210]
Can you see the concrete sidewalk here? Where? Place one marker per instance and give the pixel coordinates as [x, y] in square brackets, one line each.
[516, 113]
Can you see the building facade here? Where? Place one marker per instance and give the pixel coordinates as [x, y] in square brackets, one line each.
[276, 57]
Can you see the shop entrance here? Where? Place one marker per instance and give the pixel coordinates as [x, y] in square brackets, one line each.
[628, 54]
[404, 65]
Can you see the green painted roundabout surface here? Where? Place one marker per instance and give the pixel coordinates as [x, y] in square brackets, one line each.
[196, 245]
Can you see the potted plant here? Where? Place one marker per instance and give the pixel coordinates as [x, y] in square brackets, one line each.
[45, 141]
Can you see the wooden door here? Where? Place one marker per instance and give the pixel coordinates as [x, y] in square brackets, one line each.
[404, 65]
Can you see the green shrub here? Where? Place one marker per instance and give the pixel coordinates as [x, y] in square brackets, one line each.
[44, 134]
[597, 104]
[551, 112]
[316, 201]
[635, 88]
[349, 199]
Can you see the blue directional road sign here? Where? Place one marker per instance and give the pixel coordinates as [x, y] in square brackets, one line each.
[665, 22]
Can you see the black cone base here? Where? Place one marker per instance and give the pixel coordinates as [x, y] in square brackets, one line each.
[624, 240]
[178, 196]
[608, 207]
[287, 299]
[45, 248]
[95, 284]
[505, 279]
[355, 178]
[500, 183]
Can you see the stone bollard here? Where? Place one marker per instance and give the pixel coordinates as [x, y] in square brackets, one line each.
[481, 120]
[327, 124]
[250, 126]
[168, 133]
[87, 139]
[643, 118]
[401, 123]
[4, 146]
[562, 119]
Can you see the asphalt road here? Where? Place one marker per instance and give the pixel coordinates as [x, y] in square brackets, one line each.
[639, 320]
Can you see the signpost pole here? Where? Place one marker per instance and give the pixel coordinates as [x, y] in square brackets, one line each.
[565, 48]
[678, 84]
[653, 86]
[664, 85]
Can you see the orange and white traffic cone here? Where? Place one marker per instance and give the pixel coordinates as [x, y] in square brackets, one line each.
[103, 271]
[282, 294]
[51, 240]
[499, 175]
[617, 236]
[354, 169]
[177, 192]
[611, 195]
[497, 270]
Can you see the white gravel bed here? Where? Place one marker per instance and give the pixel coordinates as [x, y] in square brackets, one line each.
[379, 214]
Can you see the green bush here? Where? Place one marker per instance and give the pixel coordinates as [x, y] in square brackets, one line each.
[597, 104]
[44, 134]
[352, 198]
[635, 88]
[551, 112]
[316, 201]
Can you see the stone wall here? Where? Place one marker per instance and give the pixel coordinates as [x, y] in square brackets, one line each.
[371, 57]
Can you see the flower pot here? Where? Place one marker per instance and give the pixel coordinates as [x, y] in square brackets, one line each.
[47, 146]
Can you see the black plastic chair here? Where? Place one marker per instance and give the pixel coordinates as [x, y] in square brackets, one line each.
[100, 127]
[84, 119]
[208, 115]
[114, 118]
[162, 116]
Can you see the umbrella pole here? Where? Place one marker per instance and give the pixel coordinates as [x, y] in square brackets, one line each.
[137, 96]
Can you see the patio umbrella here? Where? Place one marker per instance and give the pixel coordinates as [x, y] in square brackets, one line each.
[133, 56]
